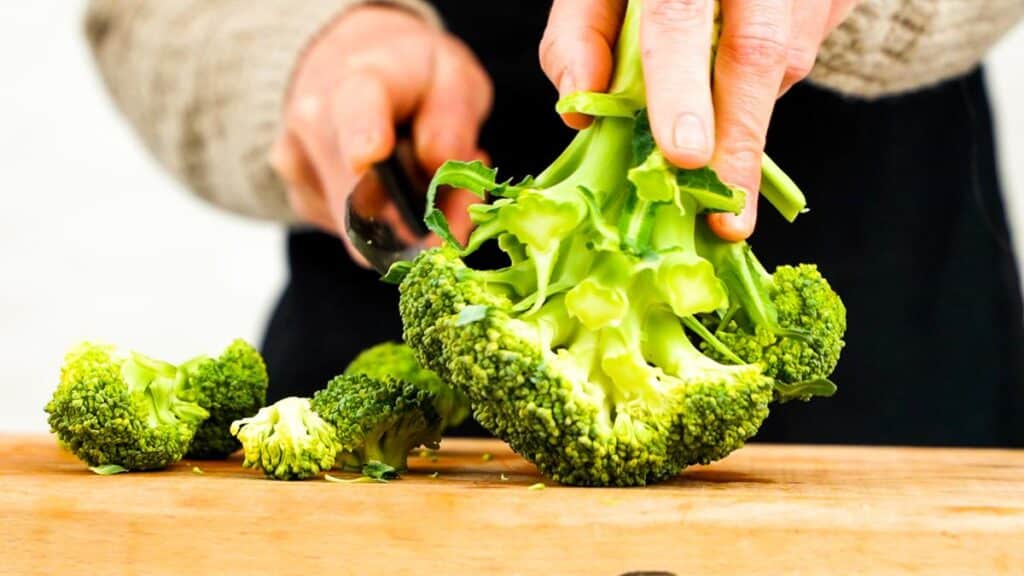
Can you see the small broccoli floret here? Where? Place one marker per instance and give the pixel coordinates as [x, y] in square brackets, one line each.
[790, 322]
[378, 421]
[288, 440]
[229, 387]
[125, 409]
[395, 361]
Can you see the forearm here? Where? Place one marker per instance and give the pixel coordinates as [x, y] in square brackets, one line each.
[891, 46]
[203, 82]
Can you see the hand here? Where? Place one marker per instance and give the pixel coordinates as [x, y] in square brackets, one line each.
[372, 69]
[765, 47]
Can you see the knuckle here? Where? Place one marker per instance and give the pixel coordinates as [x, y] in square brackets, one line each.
[305, 109]
[758, 51]
[799, 64]
[676, 13]
[741, 159]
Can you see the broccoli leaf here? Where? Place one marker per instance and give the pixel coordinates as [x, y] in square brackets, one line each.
[397, 272]
[379, 471]
[598, 104]
[471, 176]
[108, 469]
[821, 387]
[471, 314]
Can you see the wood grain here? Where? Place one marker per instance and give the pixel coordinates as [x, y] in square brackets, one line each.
[763, 510]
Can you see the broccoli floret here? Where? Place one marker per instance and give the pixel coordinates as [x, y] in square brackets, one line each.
[125, 409]
[229, 387]
[288, 440]
[790, 322]
[584, 352]
[378, 421]
[396, 361]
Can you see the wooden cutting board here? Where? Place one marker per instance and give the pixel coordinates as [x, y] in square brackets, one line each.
[763, 510]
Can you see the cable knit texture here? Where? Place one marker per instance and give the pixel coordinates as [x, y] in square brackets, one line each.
[204, 81]
[890, 46]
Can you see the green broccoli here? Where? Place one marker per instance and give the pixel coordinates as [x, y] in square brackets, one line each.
[357, 423]
[229, 387]
[288, 440]
[584, 352]
[790, 322]
[124, 409]
[378, 421]
[392, 360]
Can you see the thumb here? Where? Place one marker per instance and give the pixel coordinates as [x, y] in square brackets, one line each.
[736, 227]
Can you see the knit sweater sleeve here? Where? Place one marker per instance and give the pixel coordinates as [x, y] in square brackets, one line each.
[890, 46]
[203, 83]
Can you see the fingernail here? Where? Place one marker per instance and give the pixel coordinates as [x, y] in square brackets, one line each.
[688, 133]
[568, 83]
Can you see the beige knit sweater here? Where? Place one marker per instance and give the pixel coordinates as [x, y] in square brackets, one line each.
[203, 81]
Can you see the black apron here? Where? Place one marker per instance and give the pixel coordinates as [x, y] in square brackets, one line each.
[906, 221]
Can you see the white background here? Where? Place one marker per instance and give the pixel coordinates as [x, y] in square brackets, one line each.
[96, 242]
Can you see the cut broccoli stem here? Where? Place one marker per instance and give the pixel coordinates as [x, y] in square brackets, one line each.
[780, 190]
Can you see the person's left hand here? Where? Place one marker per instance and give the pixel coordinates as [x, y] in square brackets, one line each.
[766, 46]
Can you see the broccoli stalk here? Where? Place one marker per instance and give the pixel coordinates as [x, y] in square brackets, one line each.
[585, 352]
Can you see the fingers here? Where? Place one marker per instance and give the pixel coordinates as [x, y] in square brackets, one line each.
[809, 21]
[576, 50]
[305, 194]
[447, 124]
[291, 164]
[749, 68]
[309, 119]
[675, 37]
[363, 120]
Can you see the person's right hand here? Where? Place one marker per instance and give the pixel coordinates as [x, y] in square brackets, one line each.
[374, 68]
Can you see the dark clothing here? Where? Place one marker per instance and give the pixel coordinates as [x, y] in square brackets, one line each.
[906, 221]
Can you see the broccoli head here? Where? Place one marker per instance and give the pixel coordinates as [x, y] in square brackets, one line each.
[585, 351]
[124, 409]
[378, 421]
[229, 387]
[288, 440]
[396, 361]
